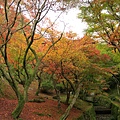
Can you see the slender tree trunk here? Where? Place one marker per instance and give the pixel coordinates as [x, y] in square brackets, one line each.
[65, 115]
[68, 94]
[38, 89]
[68, 97]
[57, 93]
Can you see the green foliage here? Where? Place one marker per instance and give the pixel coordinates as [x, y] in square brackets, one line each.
[103, 101]
[115, 56]
[115, 110]
[47, 84]
[42, 114]
[102, 18]
[60, 87]
[37, 100]
[113, 64]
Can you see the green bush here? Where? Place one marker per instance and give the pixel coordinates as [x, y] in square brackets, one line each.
[47, 86]
[60, 87]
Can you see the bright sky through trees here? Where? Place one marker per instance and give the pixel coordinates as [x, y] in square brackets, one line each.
[69, 20]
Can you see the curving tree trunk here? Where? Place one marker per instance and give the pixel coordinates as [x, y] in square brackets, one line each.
[66, 114]
[22, 98]
[19, 108]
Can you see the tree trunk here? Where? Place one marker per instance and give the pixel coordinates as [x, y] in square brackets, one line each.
[38, 89]
[21, 102]
[57, 93]
[68, 94]
[18, 109]
[68, 97]
[65, 115]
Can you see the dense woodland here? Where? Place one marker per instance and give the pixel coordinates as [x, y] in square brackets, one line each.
[57, 60]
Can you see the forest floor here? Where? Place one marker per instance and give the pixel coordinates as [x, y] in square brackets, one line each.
[47, 110]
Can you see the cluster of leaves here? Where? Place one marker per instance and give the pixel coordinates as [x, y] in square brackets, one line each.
[103, 20]
[74, 61]
[113, 65]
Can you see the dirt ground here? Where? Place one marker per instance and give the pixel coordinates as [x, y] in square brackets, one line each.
[47, 110]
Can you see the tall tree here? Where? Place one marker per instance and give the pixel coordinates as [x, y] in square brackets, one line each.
[84, 67]
[76, 63]
[103, 19]
[17, 36]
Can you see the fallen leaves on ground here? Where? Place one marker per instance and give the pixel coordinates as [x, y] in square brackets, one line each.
[47, 110]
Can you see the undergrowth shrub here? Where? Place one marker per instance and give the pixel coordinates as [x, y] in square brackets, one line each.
[47, 86]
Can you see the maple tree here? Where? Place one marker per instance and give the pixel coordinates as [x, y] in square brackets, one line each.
[83, 68]
[103, 19]
[28, 50]
[19, 58]
[74, 63]
[114, 64]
